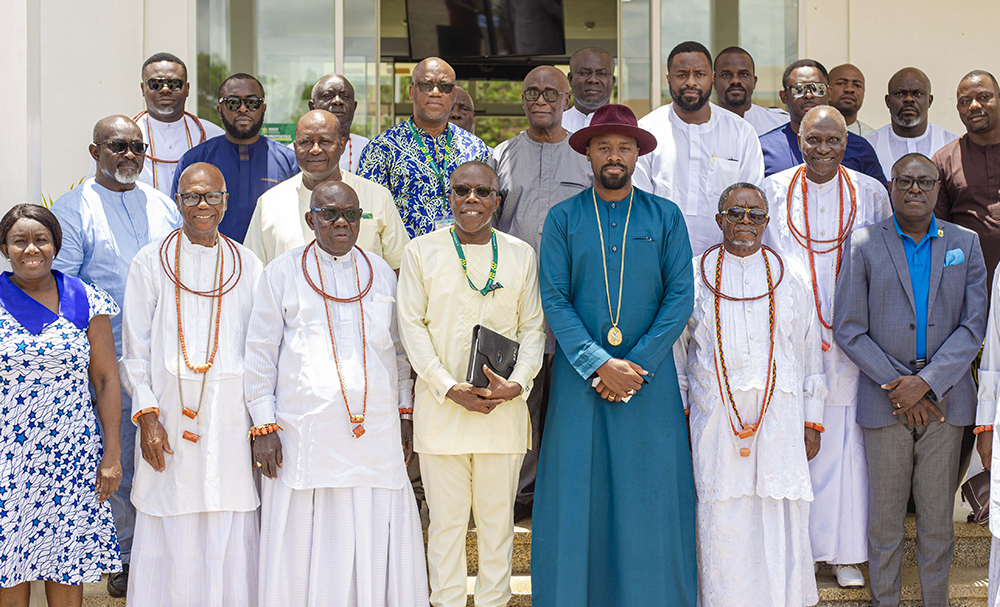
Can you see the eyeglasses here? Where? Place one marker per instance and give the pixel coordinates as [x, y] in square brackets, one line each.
[798, 91]
[905, 183]
[120, 147]
[425, 87]
[758, 217]
[193, 199]
[482, 191]
[329, 215]
[174, 84]
[550, 95]
[233, 103]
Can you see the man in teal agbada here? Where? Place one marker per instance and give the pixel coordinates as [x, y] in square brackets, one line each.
[614, 516]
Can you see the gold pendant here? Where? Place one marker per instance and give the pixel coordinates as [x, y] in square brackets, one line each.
[615, 336]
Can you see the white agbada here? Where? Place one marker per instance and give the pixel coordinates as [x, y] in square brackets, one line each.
[765, 119]
[986, 415]
[693, 163]
[753, 512]
[349, 159]
[196, 526]
[573, 119]
[279, 223]
[839, 517]
[167, 142]
[890, 147]
[339, 526]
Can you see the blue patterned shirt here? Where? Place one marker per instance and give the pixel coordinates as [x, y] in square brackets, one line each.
[395, 160]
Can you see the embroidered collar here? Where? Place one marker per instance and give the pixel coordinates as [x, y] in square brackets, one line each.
[35, 317]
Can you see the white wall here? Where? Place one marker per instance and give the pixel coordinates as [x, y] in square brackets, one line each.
[944, 39]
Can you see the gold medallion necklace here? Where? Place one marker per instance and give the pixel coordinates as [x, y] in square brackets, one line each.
[614, 334]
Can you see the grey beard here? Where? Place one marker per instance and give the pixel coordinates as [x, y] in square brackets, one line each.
[907, 123]
[126, 179]
[742, 243]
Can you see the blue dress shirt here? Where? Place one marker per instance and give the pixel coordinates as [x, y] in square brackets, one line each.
[918, 260]
[781, 151]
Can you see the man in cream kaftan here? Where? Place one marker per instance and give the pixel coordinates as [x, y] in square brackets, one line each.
[471, 441]
[753, 510]
[838, 520]
[196, 522]
[339, 522]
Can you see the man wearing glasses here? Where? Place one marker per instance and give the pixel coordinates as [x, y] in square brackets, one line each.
[183, 336]
[105, 221]
[329, 391]
[250, 163]
[537, 170]
[279, 221]
[806, 85]
[166, 127]
[910, 311]
[471, 440]
[751, 443]
[814, 208]
[415, 158]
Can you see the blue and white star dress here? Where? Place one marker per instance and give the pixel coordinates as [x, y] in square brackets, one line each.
[51, 524]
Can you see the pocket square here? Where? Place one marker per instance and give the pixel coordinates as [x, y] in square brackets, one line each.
[954, 257]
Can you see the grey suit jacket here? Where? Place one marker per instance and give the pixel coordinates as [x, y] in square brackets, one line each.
[874, 320]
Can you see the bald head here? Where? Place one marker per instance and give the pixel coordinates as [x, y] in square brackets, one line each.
[319, 144]
[823, 141]
[824, 113]
[545, 116]
[591, 75]
[847, 90]
[432, 64]
[337, 218]
[432, 105]
[463, 112]
[115, 126]
[335, 94]
[908, 99]
[201, 173]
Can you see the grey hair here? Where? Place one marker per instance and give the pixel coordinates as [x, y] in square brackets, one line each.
[742, 185]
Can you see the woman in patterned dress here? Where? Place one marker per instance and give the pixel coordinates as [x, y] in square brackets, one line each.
[56, 472]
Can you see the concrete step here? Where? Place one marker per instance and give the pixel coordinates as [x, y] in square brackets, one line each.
[520, 586]
[972, 545]
[968, 588]
[522, 550]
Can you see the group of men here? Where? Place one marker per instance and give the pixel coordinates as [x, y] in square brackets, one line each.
[286, 327]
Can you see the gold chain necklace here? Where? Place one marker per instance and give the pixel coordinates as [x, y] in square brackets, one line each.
[615, 334]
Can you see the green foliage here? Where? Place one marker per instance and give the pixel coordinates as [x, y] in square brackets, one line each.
[212, 72]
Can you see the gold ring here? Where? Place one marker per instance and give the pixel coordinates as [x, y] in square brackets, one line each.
[259, 464]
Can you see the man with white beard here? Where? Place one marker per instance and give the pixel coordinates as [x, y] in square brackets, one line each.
[105, 221]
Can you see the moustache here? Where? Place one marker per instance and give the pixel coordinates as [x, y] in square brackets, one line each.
[735, 87]
[615, 164]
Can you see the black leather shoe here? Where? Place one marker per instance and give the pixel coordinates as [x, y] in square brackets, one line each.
[118, 583]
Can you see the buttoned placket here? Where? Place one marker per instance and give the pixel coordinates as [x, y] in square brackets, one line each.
[136, 217]
[695, 168]
[338, 273]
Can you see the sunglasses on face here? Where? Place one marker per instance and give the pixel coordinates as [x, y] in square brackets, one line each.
[482, 191]
[193, 199]
[905, 183]
[233, 103]
[174, 84]
[120, 147]
[798, 91]
[758, 217]
[550, 95]
[425, 87]
[329, 215]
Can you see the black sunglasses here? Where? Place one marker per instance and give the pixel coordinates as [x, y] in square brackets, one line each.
[233, 103]
[758, 217]
[550, 95]
[425, 87]
[120, 147]
[905, 183]
[482, 191]
[174, 84]
[332, 215]
[193, 199]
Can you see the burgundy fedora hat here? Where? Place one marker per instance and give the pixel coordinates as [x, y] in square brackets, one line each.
[613, 119]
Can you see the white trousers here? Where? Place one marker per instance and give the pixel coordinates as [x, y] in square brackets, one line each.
[993, 597]
[206, 559]
[486, 485]
[340, 547]
[838, 518]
